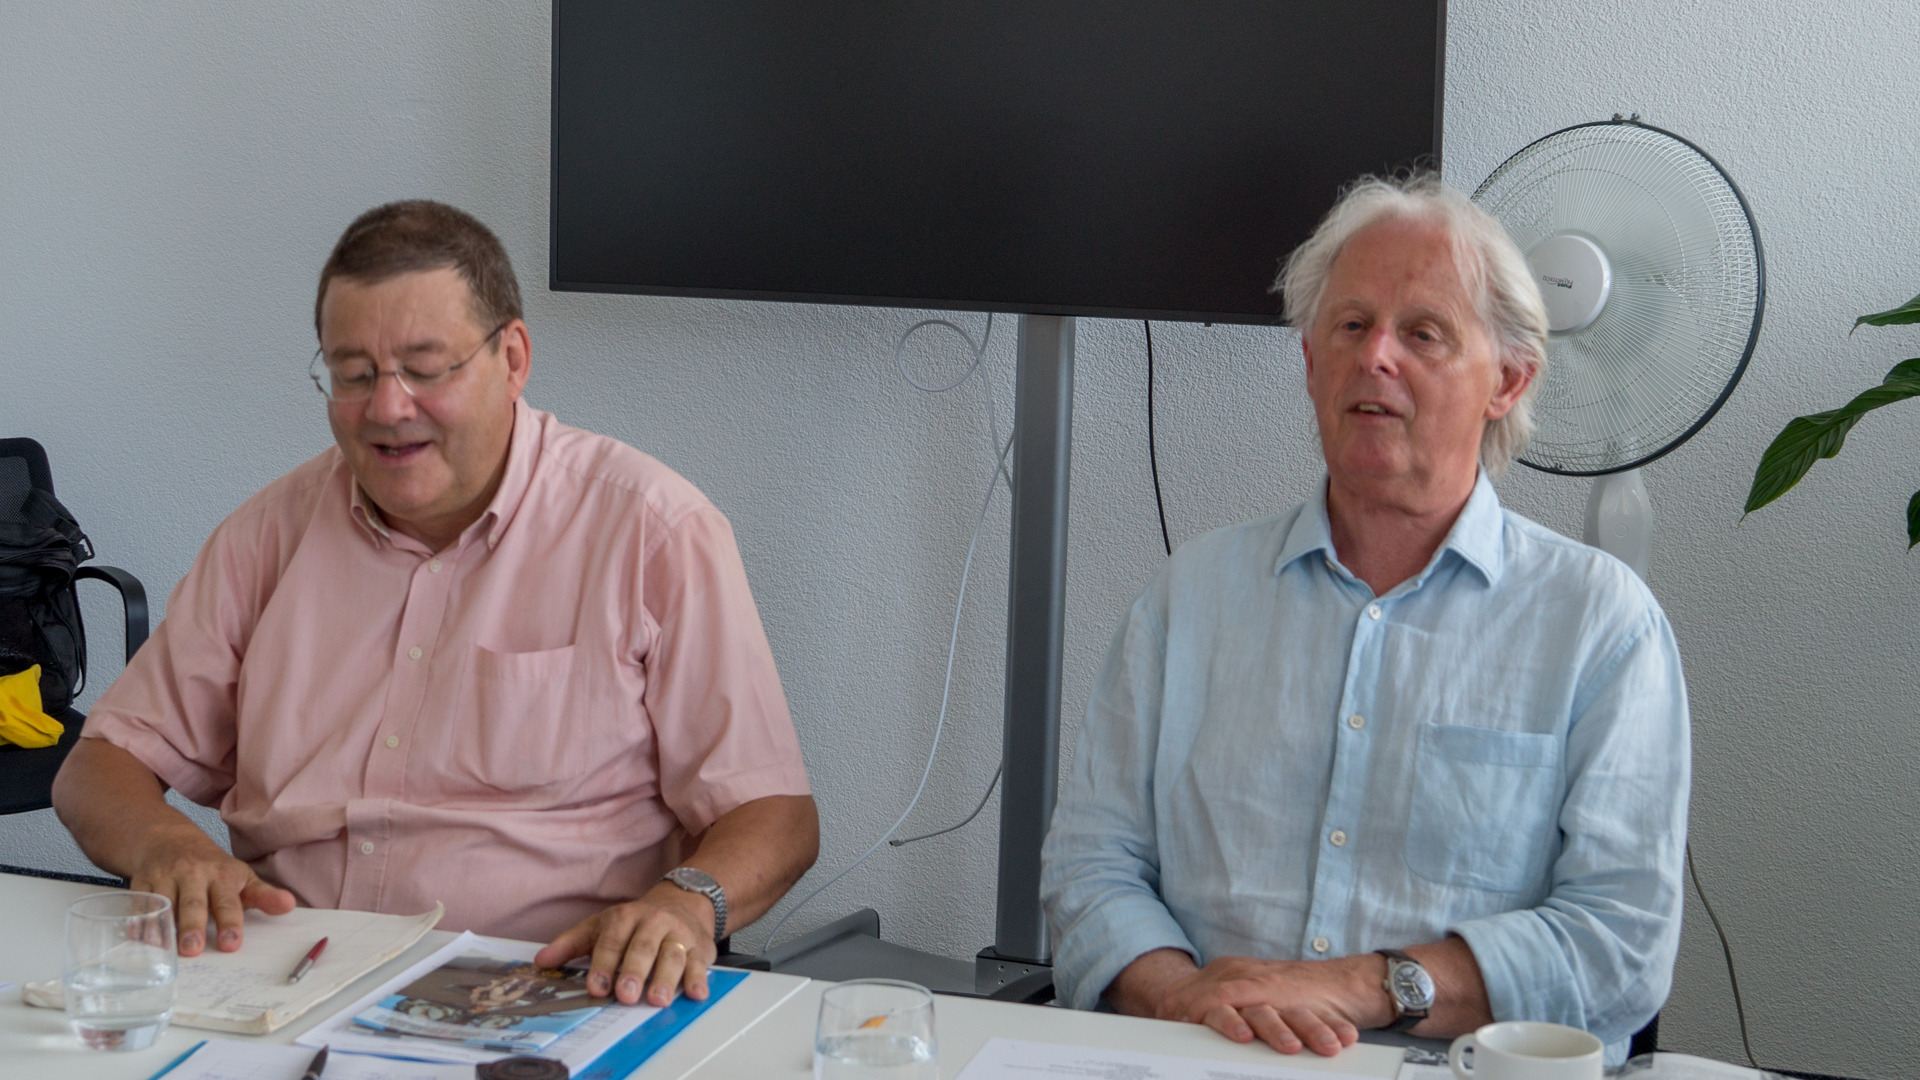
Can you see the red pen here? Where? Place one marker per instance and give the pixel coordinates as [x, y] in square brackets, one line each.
[306, 964]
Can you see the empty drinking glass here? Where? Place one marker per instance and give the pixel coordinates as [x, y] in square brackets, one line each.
[875, 1029]
[120, 966]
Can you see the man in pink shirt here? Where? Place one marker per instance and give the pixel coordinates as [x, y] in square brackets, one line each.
[468, 655]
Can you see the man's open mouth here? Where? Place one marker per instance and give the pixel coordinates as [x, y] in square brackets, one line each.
[399, 451]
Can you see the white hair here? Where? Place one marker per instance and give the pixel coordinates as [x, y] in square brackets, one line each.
[1506, 297]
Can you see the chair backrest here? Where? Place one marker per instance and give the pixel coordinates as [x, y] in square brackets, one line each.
[23, 638]
[23, 467]
[26, 776]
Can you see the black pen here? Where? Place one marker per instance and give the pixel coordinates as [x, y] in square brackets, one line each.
[317, 1066]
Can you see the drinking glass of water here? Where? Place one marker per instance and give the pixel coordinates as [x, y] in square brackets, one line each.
[119, 970]
[875, 1029]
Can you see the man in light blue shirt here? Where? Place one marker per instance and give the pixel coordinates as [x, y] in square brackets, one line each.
[1396, 717]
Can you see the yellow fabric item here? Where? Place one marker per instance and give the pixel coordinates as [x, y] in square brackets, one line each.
[21, 721]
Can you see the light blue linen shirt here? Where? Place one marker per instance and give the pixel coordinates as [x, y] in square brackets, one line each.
[1278, 764]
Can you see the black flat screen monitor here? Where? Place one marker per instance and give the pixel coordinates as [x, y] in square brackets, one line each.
[1123, 158]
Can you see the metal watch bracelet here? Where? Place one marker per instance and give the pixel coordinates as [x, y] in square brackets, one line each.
[699, 881]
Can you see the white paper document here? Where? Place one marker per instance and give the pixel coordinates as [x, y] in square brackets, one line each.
[248, 992]
[576, 1049]
[1009, 1059]
[224, 1059]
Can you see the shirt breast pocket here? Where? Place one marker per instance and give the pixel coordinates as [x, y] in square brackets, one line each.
[512, 733]
[1485, 807]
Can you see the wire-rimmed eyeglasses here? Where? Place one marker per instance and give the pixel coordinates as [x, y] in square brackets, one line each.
[354, 378]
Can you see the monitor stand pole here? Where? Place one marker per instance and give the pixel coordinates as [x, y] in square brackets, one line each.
[1036, 620]
[1017, 965]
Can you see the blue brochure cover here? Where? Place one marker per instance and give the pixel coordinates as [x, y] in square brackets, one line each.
[640, 1044]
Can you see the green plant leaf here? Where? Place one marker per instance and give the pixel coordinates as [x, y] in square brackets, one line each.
[1913, 521]
[1905, 369]
[1908, 312]
[1807, 439]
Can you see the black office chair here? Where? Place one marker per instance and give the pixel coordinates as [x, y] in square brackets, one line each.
[1647, 1039]
[26, 776]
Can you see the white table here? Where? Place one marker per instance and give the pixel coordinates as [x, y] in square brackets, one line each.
[763, 1029]
[781, 1046]
[35, 1044]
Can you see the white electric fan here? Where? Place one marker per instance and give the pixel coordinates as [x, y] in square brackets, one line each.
[1654, 280]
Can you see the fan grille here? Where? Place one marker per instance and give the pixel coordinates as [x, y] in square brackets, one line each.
[1680, 322]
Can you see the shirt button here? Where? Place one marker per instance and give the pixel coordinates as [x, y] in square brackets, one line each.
[1339, 838]
[393, 741]
[413, 653]
[366, 847]
[433, 567]
[1321, 944]
[1373, 611]
[1356, 721]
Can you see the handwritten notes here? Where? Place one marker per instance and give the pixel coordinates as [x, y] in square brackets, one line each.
[247, 991]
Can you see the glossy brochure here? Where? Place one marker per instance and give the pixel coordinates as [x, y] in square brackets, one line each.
[614, 1034]
[491, 1002]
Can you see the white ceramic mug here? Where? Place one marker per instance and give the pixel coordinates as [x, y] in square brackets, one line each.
[1528, 1050]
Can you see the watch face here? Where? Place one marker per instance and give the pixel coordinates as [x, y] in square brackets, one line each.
[698, 880]
[1412, 986]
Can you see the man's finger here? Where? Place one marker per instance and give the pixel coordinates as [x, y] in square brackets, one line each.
[1227, 1020]
[228, 915]
[670, 962]
[271, 899]
[190, 900]
[1273, 1031]
[617, 929]
[1312, 1031]
[696, 977]
[576, 941]
[643, 953]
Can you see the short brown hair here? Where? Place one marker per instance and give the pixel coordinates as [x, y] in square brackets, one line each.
[419, 234]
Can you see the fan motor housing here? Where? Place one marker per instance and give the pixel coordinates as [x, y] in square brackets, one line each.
[1575, 278]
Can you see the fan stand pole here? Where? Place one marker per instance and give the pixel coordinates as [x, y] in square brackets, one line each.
[1620, 520]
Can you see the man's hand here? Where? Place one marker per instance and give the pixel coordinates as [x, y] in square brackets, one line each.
[662, 942]
[187, 867]
[1319, 1005]
[117, 810]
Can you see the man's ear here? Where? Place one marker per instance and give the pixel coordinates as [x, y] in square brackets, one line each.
[1513, 383]
[1306, 352]
[517, 343]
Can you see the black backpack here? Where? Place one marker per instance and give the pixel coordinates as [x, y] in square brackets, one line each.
[40, 548]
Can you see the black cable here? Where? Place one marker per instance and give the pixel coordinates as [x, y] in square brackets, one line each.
[1159, 502]
[1739, 1007]
[962, 822]
[1153, 457]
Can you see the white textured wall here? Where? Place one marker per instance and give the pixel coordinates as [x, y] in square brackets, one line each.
[173, 174]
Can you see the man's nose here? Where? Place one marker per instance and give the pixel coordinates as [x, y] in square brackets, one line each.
[390, 402]
[1380, 352]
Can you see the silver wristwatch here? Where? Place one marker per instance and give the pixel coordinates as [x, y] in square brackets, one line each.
[702, 882]
[1410, 987]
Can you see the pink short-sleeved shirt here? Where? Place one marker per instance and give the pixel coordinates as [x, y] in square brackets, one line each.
[521, 726]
